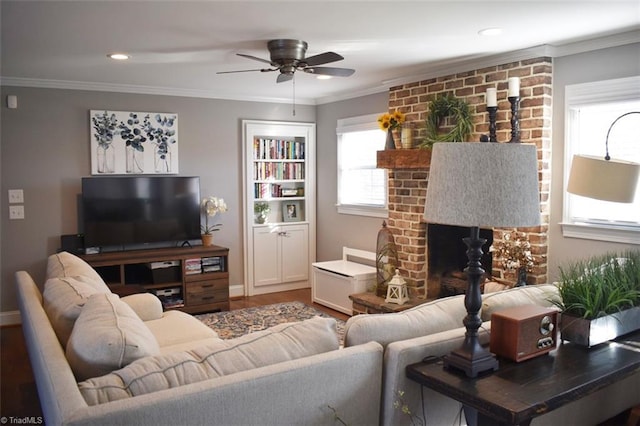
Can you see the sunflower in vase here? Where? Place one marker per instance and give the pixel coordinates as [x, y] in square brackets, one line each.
[388, 122]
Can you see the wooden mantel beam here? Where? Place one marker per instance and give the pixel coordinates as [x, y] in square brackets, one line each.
[404, 159]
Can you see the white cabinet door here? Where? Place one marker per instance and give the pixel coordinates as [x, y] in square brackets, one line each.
[295, 253]
[281, 254]
[266, 257]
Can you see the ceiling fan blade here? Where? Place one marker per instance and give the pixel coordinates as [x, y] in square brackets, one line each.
[284, 77]
[260, 69]
[255, 58]
[336, 72]
[322, 58]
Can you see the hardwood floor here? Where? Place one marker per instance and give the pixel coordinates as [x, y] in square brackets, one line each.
[18, 394]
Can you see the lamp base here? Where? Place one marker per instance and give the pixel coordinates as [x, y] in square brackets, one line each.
[471, 366]
[471, 357]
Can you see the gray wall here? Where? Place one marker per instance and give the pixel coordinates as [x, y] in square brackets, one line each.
[605, 64]
[338, 230]
[45, 151]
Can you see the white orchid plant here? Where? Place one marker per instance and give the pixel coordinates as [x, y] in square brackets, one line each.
[211, 206]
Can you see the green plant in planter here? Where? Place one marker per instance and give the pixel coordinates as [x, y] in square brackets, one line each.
[261, 209]
[600, 286]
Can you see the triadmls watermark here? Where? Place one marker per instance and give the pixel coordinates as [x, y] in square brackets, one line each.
[24, 420]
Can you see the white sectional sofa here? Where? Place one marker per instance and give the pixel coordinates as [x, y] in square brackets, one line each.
[98, 359]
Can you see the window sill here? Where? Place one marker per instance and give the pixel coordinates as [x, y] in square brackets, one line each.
[363, 211]
[590, 231]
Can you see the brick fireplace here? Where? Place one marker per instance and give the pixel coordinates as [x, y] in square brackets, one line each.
[409, 169]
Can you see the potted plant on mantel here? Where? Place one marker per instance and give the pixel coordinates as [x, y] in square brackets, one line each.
[600, 298]
[211, 206]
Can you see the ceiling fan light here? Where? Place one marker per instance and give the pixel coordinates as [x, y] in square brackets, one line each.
[118, 56]
[490, 32]
[323, 77]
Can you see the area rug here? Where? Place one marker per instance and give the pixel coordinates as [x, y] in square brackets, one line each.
[230, 324]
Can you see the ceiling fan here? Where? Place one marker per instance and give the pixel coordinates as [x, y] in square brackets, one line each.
[287, 56]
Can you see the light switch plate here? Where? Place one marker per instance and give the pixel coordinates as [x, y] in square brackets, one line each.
[16, 196]
[16, 212]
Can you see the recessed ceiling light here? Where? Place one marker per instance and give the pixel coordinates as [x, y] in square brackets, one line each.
[118, 56]
[323, 77]
[490, 32]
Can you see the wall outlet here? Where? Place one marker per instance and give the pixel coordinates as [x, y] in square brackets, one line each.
[16, 212]
[16, 196]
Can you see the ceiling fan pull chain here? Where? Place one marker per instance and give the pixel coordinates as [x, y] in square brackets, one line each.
[294, 95]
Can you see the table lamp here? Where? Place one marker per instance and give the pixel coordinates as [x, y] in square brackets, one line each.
[475, 185]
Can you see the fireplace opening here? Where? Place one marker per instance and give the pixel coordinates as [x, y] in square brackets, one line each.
[447, 258]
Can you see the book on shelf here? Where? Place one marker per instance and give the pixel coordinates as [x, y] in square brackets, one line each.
[213, 264]
[168, 302]
[193, 266]
[277, 149]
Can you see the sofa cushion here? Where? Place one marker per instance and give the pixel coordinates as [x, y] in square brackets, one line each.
[146, 305]
[63, 299]
[65, 264]
[432, 317]
[277, 344]
[540, 295]
[177, 327]
[107, 335]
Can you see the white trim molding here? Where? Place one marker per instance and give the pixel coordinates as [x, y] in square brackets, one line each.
[601, 233]
[10, 318]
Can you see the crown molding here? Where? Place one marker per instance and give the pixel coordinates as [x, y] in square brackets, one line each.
[441, 68]
[140, 90]
[614, 40]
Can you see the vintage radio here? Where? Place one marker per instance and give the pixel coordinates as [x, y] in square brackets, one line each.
[523, 332]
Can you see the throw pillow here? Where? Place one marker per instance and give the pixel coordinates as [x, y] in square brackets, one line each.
[277, 344]
[65, 264]
[107, 335]
[63, 299]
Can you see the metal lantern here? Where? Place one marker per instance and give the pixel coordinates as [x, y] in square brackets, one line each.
[397, 290]
[386, 259]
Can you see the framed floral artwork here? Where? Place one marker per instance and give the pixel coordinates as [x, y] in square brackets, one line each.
[133, 142]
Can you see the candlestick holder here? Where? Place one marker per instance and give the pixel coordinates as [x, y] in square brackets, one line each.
[515, 123]
[492, 123]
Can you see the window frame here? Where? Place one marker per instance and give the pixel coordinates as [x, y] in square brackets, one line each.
[354, 124]
[618, 90]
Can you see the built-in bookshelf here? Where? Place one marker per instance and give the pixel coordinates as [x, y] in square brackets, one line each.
[279, 172]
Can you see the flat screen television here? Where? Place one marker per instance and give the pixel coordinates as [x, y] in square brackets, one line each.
[135, 211]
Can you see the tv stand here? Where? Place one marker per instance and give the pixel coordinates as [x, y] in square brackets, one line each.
[193, 279]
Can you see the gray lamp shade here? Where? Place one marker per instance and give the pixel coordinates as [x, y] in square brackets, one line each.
[483, 184]
[608, 180]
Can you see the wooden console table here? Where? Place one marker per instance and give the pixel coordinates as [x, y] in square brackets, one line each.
[518, 392]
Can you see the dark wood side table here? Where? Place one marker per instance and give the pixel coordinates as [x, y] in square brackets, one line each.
[518, 392]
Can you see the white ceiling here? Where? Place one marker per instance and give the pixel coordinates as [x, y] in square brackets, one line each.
[177, 47]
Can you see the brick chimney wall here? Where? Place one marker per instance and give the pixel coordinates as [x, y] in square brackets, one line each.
[407, 187]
